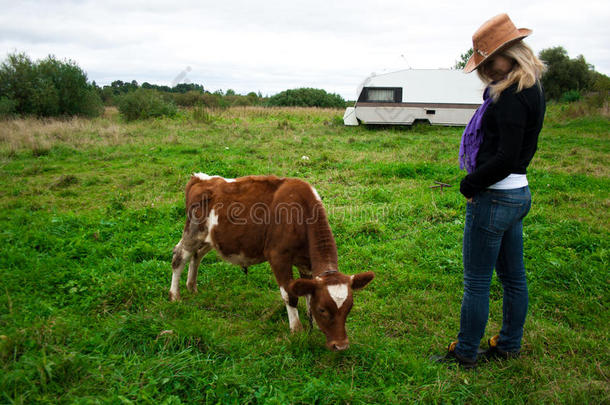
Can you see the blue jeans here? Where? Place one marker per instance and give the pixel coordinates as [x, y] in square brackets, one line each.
[493, 237]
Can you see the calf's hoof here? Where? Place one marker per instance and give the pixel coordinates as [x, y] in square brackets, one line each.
[192, 287]
[174, 296]
[296, 328]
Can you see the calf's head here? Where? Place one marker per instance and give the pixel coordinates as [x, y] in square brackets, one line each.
[331, 298]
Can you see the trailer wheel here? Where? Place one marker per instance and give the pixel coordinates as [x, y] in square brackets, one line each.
[421, 121]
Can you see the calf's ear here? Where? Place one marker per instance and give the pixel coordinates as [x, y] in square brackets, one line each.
[360, 280]
[302, 286]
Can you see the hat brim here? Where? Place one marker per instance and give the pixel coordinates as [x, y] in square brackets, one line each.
[476, 59]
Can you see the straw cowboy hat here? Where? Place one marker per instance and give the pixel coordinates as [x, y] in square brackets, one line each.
[495, 34]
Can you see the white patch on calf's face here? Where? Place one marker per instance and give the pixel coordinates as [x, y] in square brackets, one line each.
[338, 292]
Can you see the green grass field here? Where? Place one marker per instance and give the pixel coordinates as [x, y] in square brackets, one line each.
[90, 211]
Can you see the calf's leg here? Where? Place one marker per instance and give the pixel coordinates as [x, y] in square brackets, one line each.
[181, 256]
[191, 281]
[282, 269]
[187, 249]
[305, 272]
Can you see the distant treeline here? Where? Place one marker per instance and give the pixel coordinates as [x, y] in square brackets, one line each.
[191, 94]
[182, 94]
[52, 87]
[149, 100]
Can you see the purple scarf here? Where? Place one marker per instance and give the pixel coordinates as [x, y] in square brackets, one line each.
[473, 136]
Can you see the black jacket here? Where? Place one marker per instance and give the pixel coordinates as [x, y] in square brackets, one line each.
[510, 137]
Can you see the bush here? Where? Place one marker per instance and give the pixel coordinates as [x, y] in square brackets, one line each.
[236, 100]
[570, 96]
[143, 103]
[306, 97]
[597, 100]
[7, 107]
[189, 99]
[212, 100]
[47, 88]
[253, 98]
[601, 91]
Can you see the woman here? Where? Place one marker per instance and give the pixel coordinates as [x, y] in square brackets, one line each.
[497, 146]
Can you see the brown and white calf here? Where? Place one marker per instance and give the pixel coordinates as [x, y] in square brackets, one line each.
[254, 219]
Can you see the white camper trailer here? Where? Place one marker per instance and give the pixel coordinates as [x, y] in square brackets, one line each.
[439, 96]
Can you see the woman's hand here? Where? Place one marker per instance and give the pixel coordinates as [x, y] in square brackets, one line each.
[469, 200]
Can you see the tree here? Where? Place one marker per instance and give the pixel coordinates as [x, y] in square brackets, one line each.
[47, 87]
[17, 83]
[186, 87]
[461, 64]
[144, 103]
[564, 74]
[67, 89]
[307, 97]
[253, 99]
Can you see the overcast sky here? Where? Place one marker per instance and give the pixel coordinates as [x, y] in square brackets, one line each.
[273, 45]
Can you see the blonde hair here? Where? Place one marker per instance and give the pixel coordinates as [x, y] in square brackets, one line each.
[526, 71]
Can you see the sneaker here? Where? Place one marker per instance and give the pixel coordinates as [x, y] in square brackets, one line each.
[452, 357]
[493, 353]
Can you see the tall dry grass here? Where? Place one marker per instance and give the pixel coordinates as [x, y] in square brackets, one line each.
[301, 114]
[585, 109]
[259, 111]
[40, 134]
[591, 105]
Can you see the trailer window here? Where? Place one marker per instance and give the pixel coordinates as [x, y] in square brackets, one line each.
[381, 95]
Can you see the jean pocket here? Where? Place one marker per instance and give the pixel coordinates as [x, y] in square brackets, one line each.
[505, 214]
